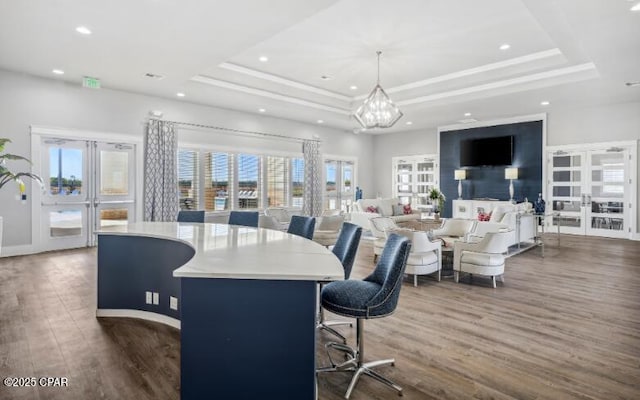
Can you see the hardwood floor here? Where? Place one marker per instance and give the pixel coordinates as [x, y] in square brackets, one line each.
[566, 326]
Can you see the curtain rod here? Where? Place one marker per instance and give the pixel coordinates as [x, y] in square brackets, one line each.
[219, 128]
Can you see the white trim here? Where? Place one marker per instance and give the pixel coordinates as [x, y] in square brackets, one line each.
[146, 315]
[39, 131]
[590, 146]
[237, 150]
[21, 250]
[264, 93]
[82, 134]
[500, 121]
[283, 81]
[473, 71]
[582, 68]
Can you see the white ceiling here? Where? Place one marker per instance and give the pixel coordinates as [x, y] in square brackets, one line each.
[440, 58]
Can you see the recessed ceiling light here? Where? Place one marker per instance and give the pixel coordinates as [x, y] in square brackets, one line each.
[544, 103]
[409, 123]
[262, 110]
[58, 72]
[320, 121]
[263, 58]
[353, 87]
[636, 7]
[467, 114]
[84, 30]
[180, 94]
[326, 77]
[505, 46]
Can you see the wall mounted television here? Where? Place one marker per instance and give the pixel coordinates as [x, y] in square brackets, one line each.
[486, 151]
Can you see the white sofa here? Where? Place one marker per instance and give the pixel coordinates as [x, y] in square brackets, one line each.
[509, 218]
[385, 207]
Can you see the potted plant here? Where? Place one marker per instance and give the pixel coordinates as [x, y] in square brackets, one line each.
[7, 175]
[436, 195]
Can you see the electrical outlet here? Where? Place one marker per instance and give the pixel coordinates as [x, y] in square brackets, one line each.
[156, 298]
[173, 303]
[148, 297]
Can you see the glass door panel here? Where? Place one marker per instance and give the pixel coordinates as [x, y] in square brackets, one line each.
[567, 198]
[114, 193]
[88, 185]
[65, 201]
[606, 193]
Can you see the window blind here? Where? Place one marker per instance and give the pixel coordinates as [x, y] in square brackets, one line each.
[217, 181]
[248, 194]
[188, 179]
[277, 178]
[297, 182]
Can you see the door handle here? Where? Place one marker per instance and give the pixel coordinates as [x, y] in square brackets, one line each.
[588, 199]
[583, 200]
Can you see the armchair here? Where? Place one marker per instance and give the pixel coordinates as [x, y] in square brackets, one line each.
[425, 256]
[281, 215]
[485, 257]
[378, 227]
[328, 229]
[454, 229]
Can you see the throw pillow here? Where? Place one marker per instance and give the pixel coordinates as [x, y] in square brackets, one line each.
[372, 209]
[484, 217]
[398, 209]
[407, 209]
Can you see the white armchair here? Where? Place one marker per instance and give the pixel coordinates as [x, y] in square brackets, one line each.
[280, 214]
[454, 229]
[269, 222]
[425, 256]
[328, 229]
[378, 227]
[486, 257]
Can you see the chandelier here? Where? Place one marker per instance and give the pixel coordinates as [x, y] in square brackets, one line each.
[377, 111]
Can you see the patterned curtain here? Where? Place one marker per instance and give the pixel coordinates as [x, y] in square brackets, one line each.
[312, 205]
[160, 172]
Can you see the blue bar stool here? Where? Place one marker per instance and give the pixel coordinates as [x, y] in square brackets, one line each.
[374, 297]
[190, 216]
[302, 226]
[345, 249]
[244, 218]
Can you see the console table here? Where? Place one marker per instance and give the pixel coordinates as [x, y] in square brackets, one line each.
[244, 299]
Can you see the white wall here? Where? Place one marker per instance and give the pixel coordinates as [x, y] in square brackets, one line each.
[27, 100]
[614, 122]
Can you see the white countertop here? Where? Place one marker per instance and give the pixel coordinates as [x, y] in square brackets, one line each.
[236, 252]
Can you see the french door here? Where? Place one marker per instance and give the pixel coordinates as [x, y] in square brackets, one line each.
[88, 185]
[590, 190]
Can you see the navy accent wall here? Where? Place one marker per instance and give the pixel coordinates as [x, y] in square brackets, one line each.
[489, 181]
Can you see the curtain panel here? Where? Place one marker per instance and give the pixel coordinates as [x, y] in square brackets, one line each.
[312, 205]
[160, 172]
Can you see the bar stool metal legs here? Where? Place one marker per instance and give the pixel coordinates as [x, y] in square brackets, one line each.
[354, 362]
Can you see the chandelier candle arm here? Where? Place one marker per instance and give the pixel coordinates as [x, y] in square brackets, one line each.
[377, 110]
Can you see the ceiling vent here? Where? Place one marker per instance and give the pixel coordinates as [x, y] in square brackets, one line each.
[467, 120]
[154, 76]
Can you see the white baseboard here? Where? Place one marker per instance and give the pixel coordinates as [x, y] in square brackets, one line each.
[146, 315]
[23, 250]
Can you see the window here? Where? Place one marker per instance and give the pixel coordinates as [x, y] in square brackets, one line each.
[232, 181]
[218, 167]
[339, 184]
[188, 179]
[248, 194]
[277, 178]
[297, 182]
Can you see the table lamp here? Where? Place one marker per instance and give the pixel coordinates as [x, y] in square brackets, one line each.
[511, 174]
[460, 175]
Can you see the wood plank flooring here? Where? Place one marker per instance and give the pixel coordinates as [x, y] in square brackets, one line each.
[566, 326]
